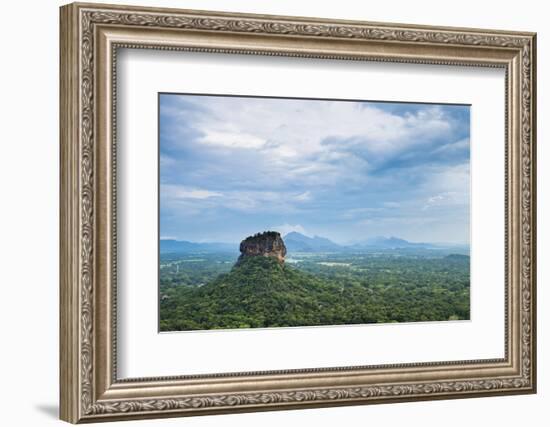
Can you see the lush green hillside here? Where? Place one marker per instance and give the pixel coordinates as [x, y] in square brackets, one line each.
[259, 292]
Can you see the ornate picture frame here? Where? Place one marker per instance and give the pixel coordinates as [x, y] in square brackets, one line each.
[91, 34]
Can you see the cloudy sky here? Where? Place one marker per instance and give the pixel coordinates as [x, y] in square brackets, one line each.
[233, 166]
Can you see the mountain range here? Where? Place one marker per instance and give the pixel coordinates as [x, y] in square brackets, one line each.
[183, 246]
[297, 242]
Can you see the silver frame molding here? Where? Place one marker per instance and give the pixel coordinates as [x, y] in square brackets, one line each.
[90, 37]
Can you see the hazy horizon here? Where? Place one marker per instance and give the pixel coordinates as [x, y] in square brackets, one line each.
[341, 243]
[347, 171]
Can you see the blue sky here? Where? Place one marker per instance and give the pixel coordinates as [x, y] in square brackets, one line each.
[234, 166]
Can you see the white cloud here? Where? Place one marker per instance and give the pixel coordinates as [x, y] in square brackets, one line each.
[448, 198]
[392, 204]
[358, 212]
[284, 229]
[452, 179]
[166, 161]
[398, 220]
[386, 209]
[295, 129]
[446, 186]
[179, 192]
[232, 140]
[196, 200]
[303, 197]
[264, 201]
[453, 147]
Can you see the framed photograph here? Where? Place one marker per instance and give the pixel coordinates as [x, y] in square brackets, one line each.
[266, 212]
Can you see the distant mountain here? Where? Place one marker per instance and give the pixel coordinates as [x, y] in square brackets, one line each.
[382, 242]
[297, 242]
[182, 246]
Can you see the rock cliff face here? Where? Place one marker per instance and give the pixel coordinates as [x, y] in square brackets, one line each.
[268, 244]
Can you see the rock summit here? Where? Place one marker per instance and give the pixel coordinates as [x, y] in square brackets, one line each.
[267, 244]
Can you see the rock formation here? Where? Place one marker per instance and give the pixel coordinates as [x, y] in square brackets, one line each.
[268, 244]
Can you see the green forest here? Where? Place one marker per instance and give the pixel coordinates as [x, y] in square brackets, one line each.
[208, 291]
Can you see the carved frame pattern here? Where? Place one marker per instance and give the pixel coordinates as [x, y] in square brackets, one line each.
[79, 398]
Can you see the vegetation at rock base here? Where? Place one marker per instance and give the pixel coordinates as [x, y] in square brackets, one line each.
[210, 292]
